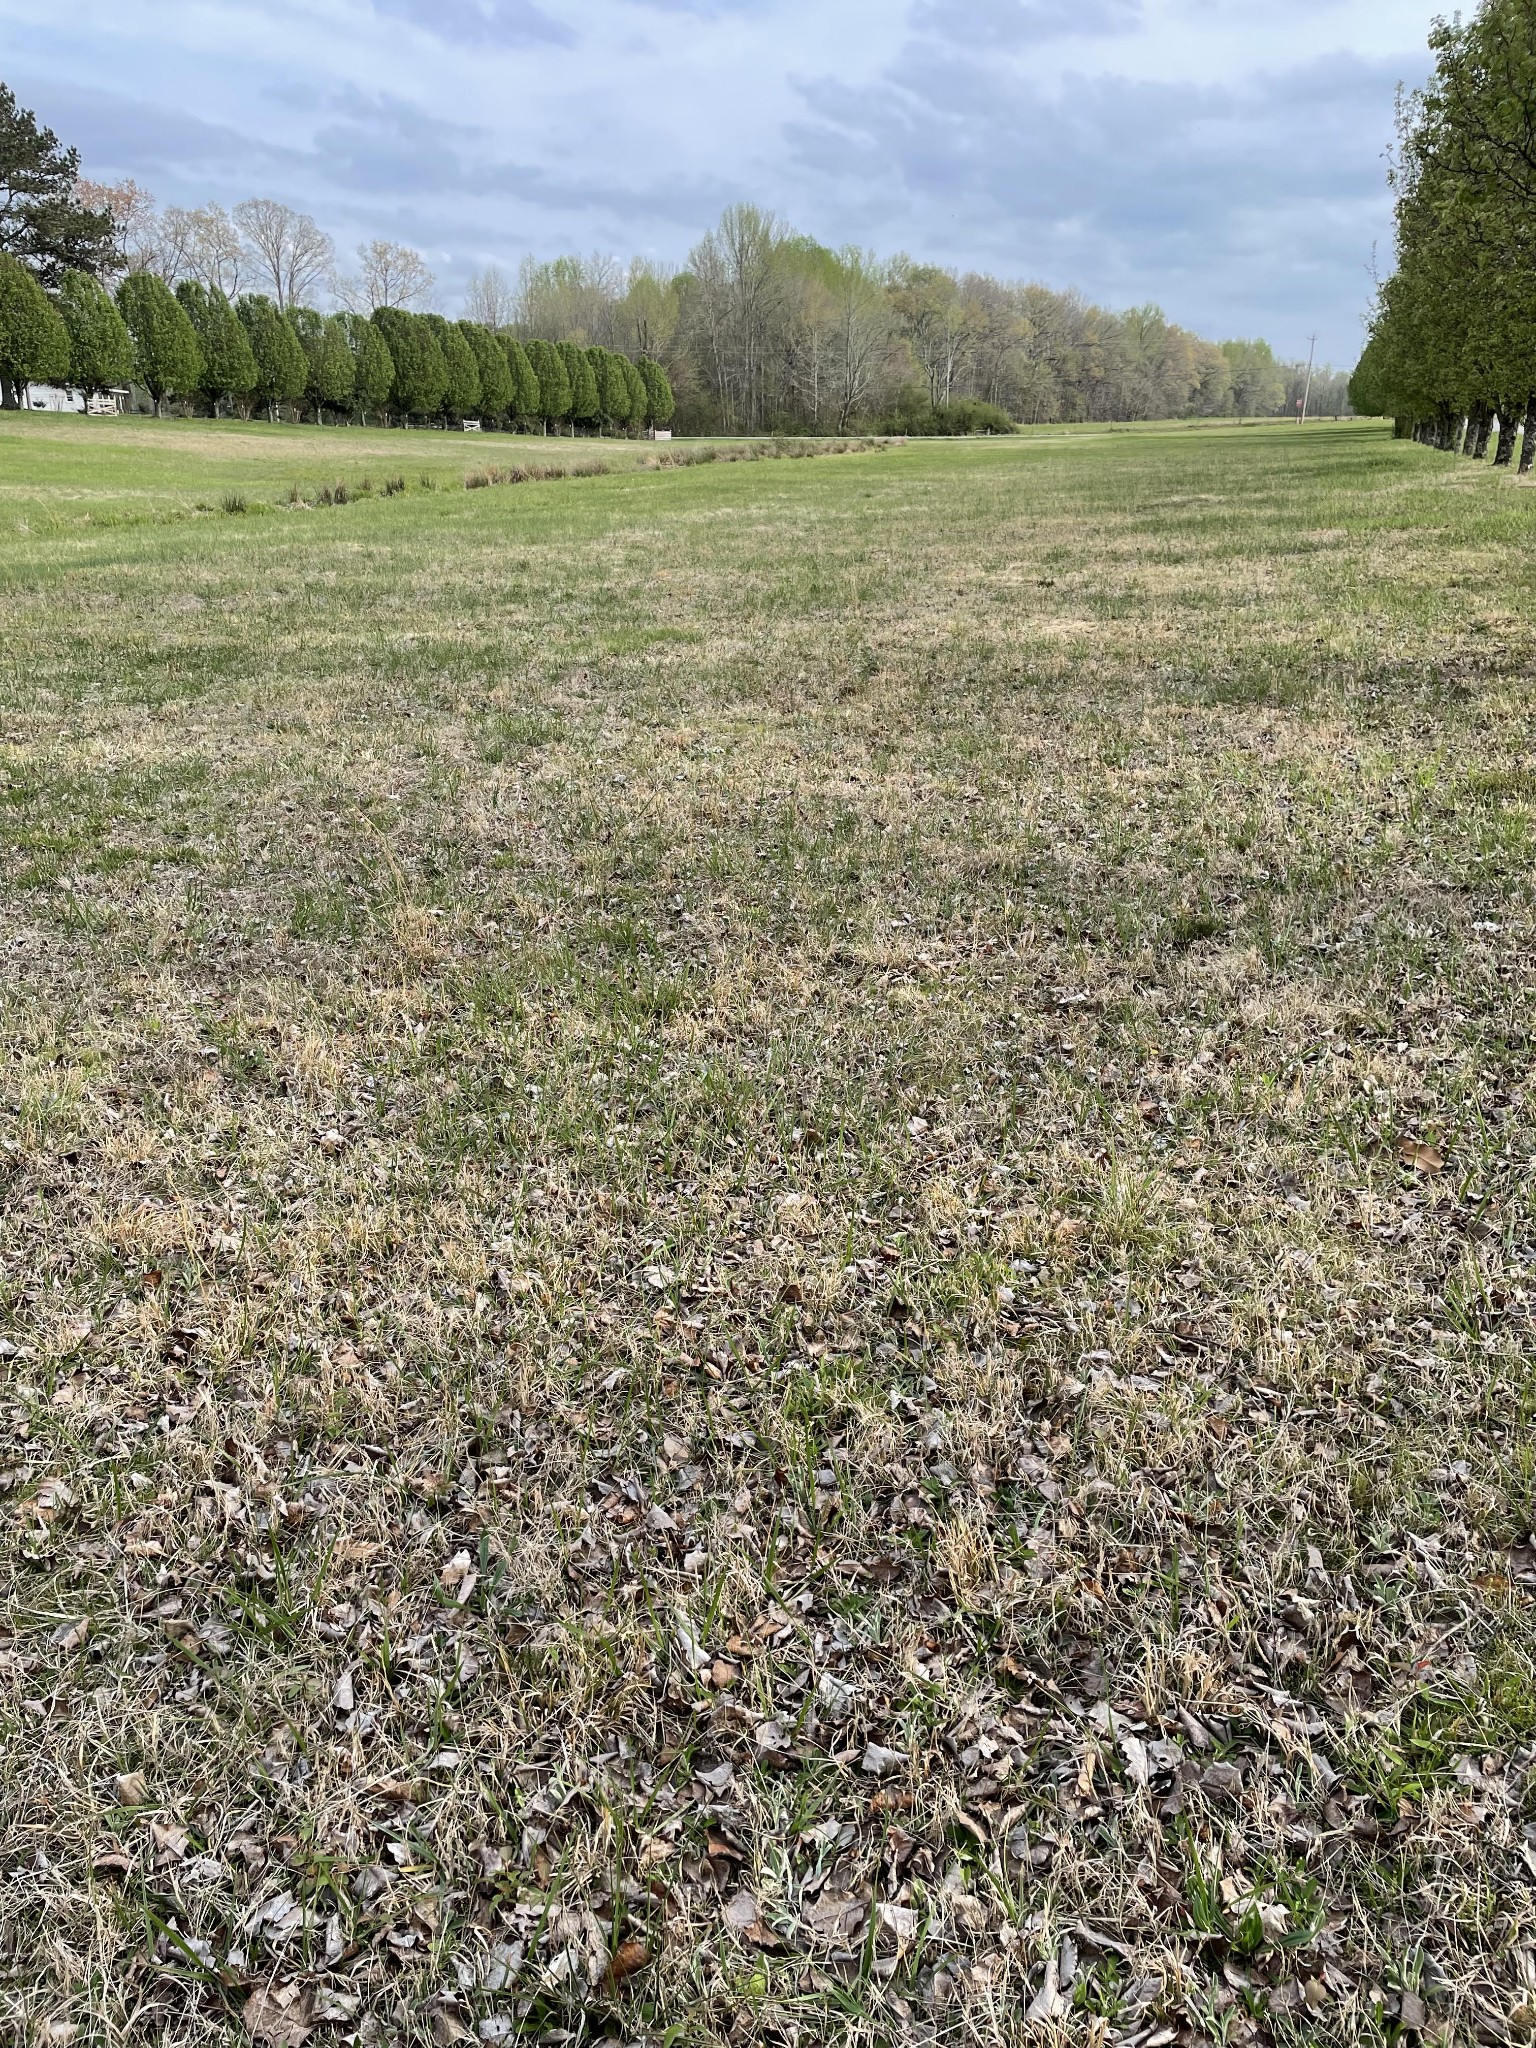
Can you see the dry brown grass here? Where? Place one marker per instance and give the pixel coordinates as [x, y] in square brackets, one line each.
[766, 1260]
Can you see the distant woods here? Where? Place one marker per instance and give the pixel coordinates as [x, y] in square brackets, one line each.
[1452, 349]
[763, 330]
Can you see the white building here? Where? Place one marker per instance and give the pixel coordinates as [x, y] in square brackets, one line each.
[63, 398]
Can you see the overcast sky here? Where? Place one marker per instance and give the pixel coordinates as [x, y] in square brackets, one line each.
[1224, 157]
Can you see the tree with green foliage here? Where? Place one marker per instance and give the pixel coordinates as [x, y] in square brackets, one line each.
[496, 393]
[421, 375]
[613, 393]
[331, 373]
[526, 404]
[34, 341]
[1453, 338]
[554, 381]
[461, 390]
[639, 398]
[166, 356]
[660, 405]
[282, 368]
[228, 366]
[1258, 382]
[42, 223]
[373, 368]
[586, 406]
[100, 346]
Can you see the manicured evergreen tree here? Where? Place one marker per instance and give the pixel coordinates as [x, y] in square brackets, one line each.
[554, 383]
[461, 391]
[1453, 341]
[282, 368]
[331, 374]
[100, 346]
[638, 398]
[373, 368]
[34, 341]
[421, 375]
[659, 402]
[228, 366]
[613, 399]
[527, 403]
[496, 391]
[586, 406]
[165, 351]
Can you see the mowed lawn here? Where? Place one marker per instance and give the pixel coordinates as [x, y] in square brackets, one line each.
[766, 1258]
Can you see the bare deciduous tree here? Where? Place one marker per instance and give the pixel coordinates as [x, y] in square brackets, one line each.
[136, 224]
[288, 251]
[389, 274]
[215, 254]
[491, 299]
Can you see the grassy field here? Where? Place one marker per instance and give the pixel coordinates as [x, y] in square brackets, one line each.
[61, 473]
[767, 1251]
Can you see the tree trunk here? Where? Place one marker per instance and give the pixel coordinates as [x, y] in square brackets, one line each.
[10, 396]
[1528, 438]
[1478, 428]
[1506, 448]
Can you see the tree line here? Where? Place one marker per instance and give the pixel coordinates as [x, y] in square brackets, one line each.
[391, 365]
[192, 344]
[762, 330]
[186, 338]
[1452, 347]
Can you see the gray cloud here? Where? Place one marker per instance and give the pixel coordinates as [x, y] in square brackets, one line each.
[387, 144]
[117, 129]
[1230, 202]
[1016, 23]
[481, 24]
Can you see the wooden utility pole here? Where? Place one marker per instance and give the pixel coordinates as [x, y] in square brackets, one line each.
[1306, 396]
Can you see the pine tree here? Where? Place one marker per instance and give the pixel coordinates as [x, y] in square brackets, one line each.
[496, 392]
[527, 403]
[165, 351]
[100, 346]
[282, 368]
[373, 368]
[461, 391]
[585, 403]
[421, 375]
[331, 374]
[228, 366]
[42, 223]
[554, 381]
[660, 405]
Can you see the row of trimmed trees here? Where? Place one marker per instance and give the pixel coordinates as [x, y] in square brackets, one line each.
[1452, 348]
[193, 345]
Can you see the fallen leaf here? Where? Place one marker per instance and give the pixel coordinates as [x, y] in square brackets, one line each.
[170, 1843]
[877, 1761]
[1422, 1158]
[277, 2016]
[629, 1958]
[132, 1788]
